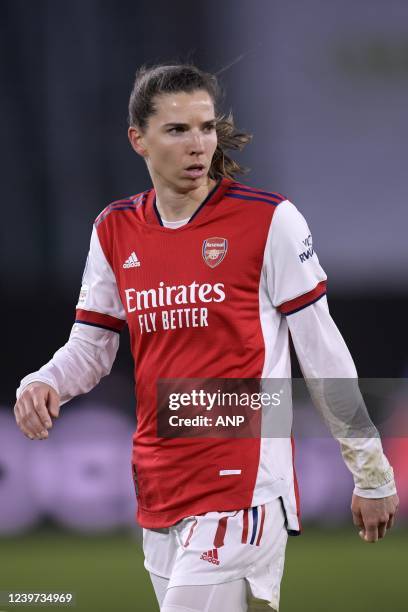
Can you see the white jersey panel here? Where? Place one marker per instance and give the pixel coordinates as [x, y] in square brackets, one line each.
[292, 266]
[99, 291]
[275, 477]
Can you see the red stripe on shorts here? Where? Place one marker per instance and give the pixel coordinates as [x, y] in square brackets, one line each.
[262, 524]
[220, 533]
[245, 527]
[187, 542]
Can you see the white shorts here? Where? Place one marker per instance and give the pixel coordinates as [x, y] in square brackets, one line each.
[219, 547]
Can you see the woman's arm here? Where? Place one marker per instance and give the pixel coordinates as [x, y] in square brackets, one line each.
[87, 356]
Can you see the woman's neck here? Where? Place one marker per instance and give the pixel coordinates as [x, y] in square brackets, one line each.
[173, 205]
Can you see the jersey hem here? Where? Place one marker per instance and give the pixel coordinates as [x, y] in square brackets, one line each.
[160, 520]
[149, 520]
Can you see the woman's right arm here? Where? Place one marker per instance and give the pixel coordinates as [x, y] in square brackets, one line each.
[88, 355]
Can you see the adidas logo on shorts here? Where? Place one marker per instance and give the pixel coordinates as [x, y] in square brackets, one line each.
[211, 556]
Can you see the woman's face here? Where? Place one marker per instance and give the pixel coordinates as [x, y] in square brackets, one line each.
[179, 141]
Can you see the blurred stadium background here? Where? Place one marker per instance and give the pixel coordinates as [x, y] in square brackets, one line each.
[323, 88]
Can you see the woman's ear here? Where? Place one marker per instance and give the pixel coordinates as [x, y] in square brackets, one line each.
[136, 140]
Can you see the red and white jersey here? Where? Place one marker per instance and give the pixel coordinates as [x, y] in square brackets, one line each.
[206, 300]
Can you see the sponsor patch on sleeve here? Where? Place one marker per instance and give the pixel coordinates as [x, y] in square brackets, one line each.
[308, 249]
[82, 295]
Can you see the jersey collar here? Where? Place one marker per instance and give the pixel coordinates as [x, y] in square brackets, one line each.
[152, 215]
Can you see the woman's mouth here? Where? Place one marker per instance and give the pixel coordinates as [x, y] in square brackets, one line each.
[195, 170]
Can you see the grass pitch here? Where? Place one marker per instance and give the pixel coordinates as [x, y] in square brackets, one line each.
[325, 570]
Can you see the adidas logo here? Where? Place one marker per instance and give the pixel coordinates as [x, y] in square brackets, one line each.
[211, 556]
[132, 261]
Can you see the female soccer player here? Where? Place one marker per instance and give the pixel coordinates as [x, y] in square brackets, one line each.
[210, 275]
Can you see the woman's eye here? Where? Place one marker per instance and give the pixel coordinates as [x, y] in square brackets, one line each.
[176, 130]
[209, 128]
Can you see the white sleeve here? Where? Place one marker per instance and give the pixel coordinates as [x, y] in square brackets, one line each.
[99, 292]
[323, 355]
[294, 275]
[79, 365]
[92, 346]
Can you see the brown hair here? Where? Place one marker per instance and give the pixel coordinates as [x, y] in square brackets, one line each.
[164, 78]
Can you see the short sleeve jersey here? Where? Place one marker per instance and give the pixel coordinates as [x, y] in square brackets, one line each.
[206, 300]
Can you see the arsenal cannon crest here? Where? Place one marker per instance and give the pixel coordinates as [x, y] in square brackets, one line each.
[214, 251]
